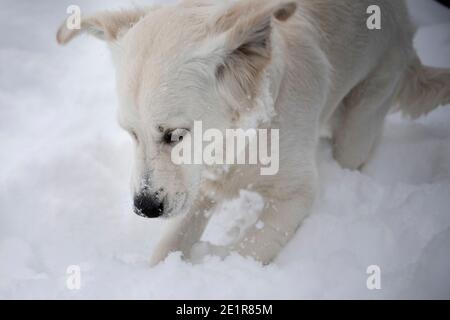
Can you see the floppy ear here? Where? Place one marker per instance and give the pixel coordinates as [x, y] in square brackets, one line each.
[108, 26]
[248, 45]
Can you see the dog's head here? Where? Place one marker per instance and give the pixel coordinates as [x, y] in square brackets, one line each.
[180, 64]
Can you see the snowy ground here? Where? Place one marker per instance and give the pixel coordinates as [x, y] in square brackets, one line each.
[64, 197]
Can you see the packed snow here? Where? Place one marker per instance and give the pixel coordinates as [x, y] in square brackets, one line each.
[65, 199]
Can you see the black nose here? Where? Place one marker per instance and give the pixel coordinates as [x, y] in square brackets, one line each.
[148, 206]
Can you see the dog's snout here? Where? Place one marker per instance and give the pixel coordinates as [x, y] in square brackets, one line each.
[148, 206]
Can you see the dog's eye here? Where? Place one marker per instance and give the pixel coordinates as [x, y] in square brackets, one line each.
[174, 136]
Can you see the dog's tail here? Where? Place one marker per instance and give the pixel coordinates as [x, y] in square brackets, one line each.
[423, 89]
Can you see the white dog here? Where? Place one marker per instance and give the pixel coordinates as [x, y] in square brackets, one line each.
[313, 63]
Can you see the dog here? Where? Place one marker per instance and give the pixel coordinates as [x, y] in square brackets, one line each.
[311, 64]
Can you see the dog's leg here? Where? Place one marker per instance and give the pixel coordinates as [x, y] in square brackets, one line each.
[184, 232]
[361, 120]
[278, 223]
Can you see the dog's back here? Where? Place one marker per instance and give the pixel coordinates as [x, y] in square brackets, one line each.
[355, 51]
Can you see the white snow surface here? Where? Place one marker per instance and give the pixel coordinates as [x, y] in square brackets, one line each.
[65, 199]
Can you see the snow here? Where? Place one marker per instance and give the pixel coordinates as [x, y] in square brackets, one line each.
[64, 189]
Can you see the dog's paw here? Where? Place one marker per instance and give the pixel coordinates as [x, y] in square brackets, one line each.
[159, 255]
[203, 249]
[155, 260]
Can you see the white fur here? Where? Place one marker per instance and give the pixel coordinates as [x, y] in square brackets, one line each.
[324, 68]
